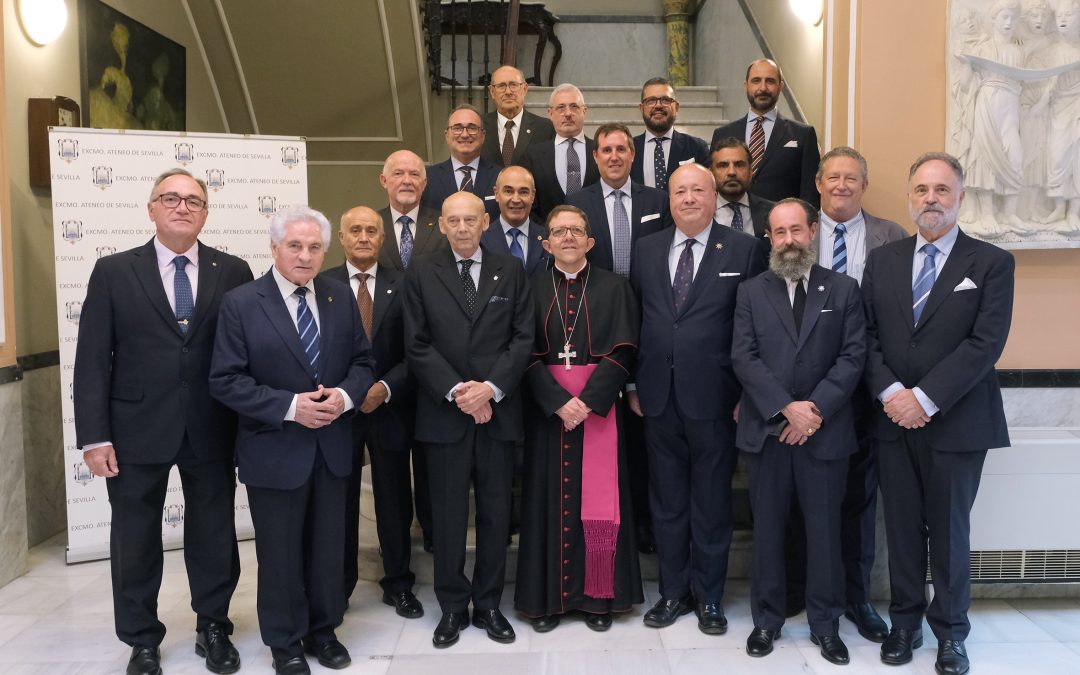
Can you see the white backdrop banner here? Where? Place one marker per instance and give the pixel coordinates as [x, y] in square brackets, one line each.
[101, 182]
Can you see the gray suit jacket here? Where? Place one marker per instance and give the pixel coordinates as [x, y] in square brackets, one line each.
[880, 231]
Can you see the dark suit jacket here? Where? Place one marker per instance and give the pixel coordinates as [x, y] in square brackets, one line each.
[392, 422]
[823, 362]
[447, 346]
[952, 352]
[691, 347]
[140, 383]
[534, 129]
[649, 213]
[536, 258]
[428, 239]
[684, 148]
[759, 212]
[443, 181]
[259, 364]
[785, 171]
[540, 160]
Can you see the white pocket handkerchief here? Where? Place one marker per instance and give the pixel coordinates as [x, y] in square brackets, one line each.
[825, 310]
[489, 197]
[651, 216]
[791, 144]
[730, 274]
[965, 285]
[686, 161]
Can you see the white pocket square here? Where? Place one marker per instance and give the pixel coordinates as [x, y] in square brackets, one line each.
[489, 197]
[965, 285]
[686, 161]
[729, 274]
[791, 144]
[651, 216]
[825, 310]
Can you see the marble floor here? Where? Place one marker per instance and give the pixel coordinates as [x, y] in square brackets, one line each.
[57, 620]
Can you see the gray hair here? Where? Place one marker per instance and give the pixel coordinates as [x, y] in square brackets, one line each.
[953, 163]
[845, 151]
[298, 214]
[565, 86]
[178, 172]
[386, 164]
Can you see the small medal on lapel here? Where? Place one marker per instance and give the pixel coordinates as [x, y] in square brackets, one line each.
[528, 131]
[495, 278]
[719, 246]
[820, 288]
[389, 291]
[213, 264]
[329, 298]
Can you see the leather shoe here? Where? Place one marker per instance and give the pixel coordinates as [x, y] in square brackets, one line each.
[664, 612]
[711, 619]
[296, 665]
[496, 625]
[952, 658]
[406, 604]
[331, 654]
[760, 641]
[868, 621]
[598, 622]
[546, 623]
[832, 648]
[214, 645]
[896, 651]
[451, 623]
[144, 661]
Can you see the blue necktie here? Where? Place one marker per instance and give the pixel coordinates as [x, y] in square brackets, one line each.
[736, 219]
[621, 245]
[684, 274]
[659, 165]
[406, 241]
[515, 245]
[839, 249]
[185, 301]
[920, 290]
[309, 332]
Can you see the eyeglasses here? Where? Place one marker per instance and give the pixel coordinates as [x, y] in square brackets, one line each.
[508, 86]
[663, 101]
[459, 129]
[572, 107]
[171, 200]
[560, 232]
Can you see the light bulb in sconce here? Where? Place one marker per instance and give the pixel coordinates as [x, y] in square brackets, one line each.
[42, 20]
[808, 11]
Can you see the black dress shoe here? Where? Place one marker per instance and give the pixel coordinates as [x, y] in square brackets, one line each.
[832, 648]
[711, 619]
[545, 624]
[760, 641]
[952, 658]
[896, 651]
[451, 623]
[496, 625]
[406, 604]
[214, 645]
[144, 661]
[870, 624]
[296, 665]
[598, 622]
[664, 612]
[331, 654]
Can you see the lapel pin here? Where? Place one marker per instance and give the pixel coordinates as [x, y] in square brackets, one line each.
[719, 246]
[528, 131]
[820, 288]
[329, 298]
[539, 238]
[495, 278]
[213, 264]
[389, 291]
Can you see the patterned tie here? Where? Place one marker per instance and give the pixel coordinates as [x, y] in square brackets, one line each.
[621, 245]
[573, 168]
[185, 302]
[798, 305]
[508, 144]
[406, 241]
[920, 290]
[515, 245]
[684, 274]
[659, 164]
[839, 249]
[466, 180]
[309, 332]
[736, 217]
[363, 300]
[468, 286]
[757, 144]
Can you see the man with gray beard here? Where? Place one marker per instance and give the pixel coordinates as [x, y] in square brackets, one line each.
[798, 349]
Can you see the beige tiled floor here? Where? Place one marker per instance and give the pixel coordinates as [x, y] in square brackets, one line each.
[57, 620]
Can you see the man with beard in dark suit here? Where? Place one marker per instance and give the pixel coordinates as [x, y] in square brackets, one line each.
[667, 149]
[738, 207]
[510, 128]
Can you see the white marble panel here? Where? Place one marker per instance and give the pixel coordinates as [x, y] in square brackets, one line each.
[1059, 618]
[1042, 407]
[43, 442]
[13, 542]
[463, 662]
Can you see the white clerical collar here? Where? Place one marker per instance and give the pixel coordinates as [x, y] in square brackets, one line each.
[570, 276]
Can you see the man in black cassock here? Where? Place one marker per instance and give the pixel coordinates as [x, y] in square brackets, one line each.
[577, 550]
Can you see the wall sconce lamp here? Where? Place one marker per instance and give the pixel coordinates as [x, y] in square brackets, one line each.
[808, 11]
[42, 20]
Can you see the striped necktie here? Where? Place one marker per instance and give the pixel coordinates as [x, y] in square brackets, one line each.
[924, 283]
[309, 332]
[757, 144]
[839, 249]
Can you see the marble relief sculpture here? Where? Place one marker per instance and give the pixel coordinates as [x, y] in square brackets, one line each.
[1014, 119]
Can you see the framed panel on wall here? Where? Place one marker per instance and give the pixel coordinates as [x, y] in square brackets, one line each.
[7, 282]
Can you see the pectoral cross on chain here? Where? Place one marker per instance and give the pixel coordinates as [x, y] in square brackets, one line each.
[566, 355]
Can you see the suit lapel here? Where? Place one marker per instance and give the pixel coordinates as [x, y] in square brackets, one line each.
[490, 271]
[524, 136]
[777, 293]
[446, 270]
[385, 292]
[536, 247]
[817, 292]
[425, 229]
[949, 276]
[636, 208]
[601, 230]
[662, 274]
[711, 259]
[149, 276]
[325, 301]
[902, 261]
[777, 139]
[209, 275]
[273, 305]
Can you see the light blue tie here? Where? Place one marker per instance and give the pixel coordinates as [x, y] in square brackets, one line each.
[839, 249]
[406, 241]
[621, 245]
[309, 332]
[515, 245]
[924, 283]
[185, 301]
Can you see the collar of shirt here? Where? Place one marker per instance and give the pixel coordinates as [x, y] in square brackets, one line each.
[625, 187]
[165, 255]
[791, 287]
[503, 120]
[752, 116]
[474, 165]
[650, 136]
[701, 238]
[413, 214]
[353, 270]
[477, 257]
[506, 227]
[828, 224]
[287, 287]
[944, 244]
[580, 138]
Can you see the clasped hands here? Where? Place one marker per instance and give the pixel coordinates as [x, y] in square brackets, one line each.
[319, 408]
[573, 413]
[904, 409]
[474, 398]
[803, 420]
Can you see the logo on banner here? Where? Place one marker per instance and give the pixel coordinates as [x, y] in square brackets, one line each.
[290, 155]
[174, 514]
[67, 149]
[102, 176]
[103, 251]
[71, 230]
[82, 473]
[223, 249]
[267, 206]
[185, 153]
[74, 310]
[215, 179]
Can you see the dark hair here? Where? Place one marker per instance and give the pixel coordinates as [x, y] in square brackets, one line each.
[810, 212]
[567, 208]
[652, 81]
[612, 128]
[729, 142]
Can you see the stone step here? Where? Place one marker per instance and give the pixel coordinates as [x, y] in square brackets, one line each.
[538, 96]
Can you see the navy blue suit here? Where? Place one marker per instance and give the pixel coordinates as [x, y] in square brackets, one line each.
[443, 181]
[540, 161]
[688, 391]
[790, 162]
[684, 148]
[536, 258]
[649, 213]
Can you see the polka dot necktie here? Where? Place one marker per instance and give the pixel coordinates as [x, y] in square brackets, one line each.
[684, 274]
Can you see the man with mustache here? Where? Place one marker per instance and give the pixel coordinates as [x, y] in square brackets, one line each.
[511, 128]
[784, 153]
[737, 206]
[798, 348]
[666, 149]
[938, 311]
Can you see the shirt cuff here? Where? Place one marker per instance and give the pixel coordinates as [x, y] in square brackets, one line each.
[889, 391]
[631, 386]
[450, 394]
[388, 392]
[928, 406]
[499, 395]
[94, 446]
[349, 405]
[290, 414]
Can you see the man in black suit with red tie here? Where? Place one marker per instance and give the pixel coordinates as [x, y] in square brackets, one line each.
[142, 405]
[510, 128]
[667, 149]
[385, 420]
[784, 153]
[465, 170]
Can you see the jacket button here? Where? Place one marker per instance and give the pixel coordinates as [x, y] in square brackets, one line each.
[912, 344]
[566, 529]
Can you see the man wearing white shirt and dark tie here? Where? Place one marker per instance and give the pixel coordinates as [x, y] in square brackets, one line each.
[737, 207]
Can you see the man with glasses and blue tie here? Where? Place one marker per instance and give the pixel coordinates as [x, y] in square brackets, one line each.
[662, 149]
[938, 310]
[465, 170]
[512, 128]
[142, 405]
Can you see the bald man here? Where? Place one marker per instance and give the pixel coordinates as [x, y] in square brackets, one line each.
[511, 128]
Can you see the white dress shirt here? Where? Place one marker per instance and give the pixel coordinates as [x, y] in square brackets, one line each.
[767, 125]
[854, 241]
[167, 269]
[514, 131]
[649, 150]
[725, 215]
[458, 175]
[678, 242]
